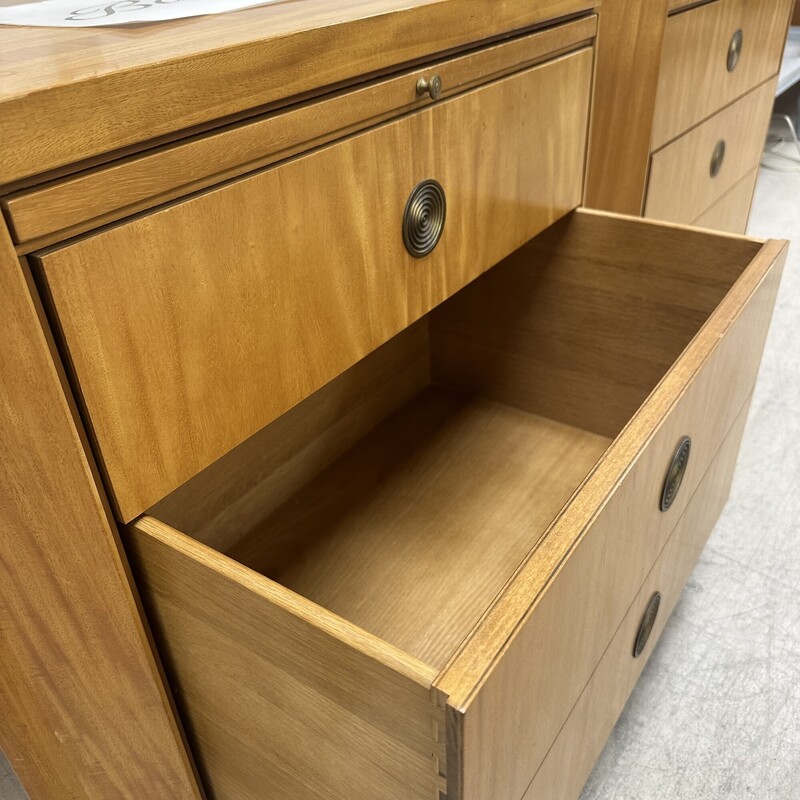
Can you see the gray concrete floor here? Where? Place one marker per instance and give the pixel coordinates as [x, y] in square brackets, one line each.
[716, 714]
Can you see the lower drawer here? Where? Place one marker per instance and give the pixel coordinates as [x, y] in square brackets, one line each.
[368, 597]
[692, 173]
[732, 211]
[581, 740]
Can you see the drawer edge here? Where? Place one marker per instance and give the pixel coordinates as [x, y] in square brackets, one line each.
[566, 768]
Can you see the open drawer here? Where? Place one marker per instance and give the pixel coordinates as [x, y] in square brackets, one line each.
[401, 587]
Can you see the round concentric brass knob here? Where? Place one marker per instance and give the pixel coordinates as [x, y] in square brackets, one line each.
[423, 221]
[646, 628]
[717, 157]
[735, 50]
[432, 87]
[675, 473]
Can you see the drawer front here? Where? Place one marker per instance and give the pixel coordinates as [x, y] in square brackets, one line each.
[580, 742]
[699, 46]
[519, 675]
[695, 171]
[193, 327]
[731, 212]
[280, 698]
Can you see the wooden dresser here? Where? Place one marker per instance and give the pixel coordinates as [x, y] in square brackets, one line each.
[347, 454]
[687, 139]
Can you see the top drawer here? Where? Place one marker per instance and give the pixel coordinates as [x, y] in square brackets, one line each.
[713, 54]
[193, 327]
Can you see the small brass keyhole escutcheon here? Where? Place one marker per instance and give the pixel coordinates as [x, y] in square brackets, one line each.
[424, 217]
[717, 157]
[646, 628]
[675, 473]
[433, 87]
[735, 50]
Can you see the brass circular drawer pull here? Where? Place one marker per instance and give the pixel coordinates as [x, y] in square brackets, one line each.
[675, 473]
[432, 87]
[646, 628]
[735, 50]
[423, 221]
[717, 157]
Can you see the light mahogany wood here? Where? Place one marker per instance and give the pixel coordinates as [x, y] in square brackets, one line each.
[681, 186]
[580, 742]
[85, 714]
[156, 77]
[582, 323]
[523, 656]
[79, 202]
[413, 532]
[731, 212]
[191, 328]
[796, 14]
[282, 699]
[694, 81]
[626, 79]
[223, 502]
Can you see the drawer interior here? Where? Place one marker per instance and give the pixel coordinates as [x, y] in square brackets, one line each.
[404, 494]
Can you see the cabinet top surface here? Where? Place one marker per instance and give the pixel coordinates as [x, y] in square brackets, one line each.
[119, 86]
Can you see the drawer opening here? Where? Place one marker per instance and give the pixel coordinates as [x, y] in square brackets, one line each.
[404, 494]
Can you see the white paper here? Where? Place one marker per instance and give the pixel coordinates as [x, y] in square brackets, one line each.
[85, 14]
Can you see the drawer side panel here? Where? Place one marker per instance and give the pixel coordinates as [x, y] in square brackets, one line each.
[580, 742]
[276, 702]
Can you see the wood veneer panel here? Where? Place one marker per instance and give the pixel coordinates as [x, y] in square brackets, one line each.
[76, 85]
[694, 80]
[191, 328]
[281, 698]
[629, 44]
[220, 505]
[85, 712]
[581, 323]
[681, 185]
[414, 531]
[573, 755]
[731, 212]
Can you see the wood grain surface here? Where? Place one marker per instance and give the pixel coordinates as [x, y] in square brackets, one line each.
[414, 531]
[522, 647]
[282, 699]
[79, 202]
[85, 712]
[681, 186]
[580, 742]
[63, 92]
[224, 502]
[582, 323]
[694, 81]
[731, 212]
[626, 79]
[191, 328]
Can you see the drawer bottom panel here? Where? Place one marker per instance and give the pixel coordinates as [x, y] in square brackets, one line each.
[583, 736]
